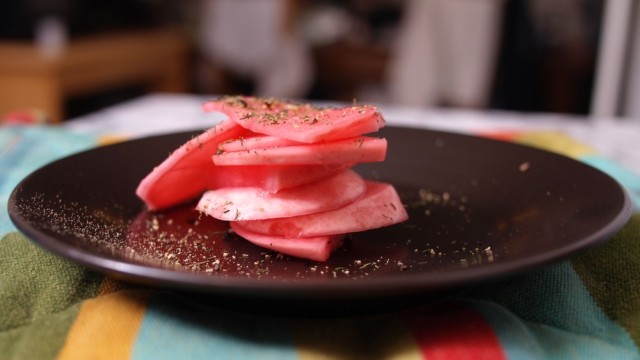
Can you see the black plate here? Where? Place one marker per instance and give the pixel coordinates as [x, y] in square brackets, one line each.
[479, 209]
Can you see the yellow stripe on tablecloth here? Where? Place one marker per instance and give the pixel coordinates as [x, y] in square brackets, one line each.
[111, 139]
[556, 142]
[110, 285]
[382, 337]
[106, 326]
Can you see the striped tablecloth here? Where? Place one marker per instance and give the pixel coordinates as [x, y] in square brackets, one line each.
[584, 308]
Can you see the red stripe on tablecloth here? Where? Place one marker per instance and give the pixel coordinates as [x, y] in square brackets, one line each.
[446, 331]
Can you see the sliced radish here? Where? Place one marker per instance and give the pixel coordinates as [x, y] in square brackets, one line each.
[298, 122]
[255, 142]
[269, 178]
[379, 206]
[279, 172]
[250, 203]
[360, 149]
[181, 176]
[316, 248]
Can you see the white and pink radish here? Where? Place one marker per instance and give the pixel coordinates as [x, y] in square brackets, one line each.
[279, 173]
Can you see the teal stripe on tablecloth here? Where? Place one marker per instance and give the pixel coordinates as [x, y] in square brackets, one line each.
[550, 314]
[174, 329]
[25, 149]
[627, 178]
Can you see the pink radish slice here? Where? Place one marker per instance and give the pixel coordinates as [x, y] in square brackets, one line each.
[353, 150]
[316, 248]
[250, 203]
[298, 122]
[379, 206]
[269, 178]
[181, 176]
[256, 142]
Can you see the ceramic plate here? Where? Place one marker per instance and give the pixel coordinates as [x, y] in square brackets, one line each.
[479, 210]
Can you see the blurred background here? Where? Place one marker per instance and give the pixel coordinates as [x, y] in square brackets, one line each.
[71, 57]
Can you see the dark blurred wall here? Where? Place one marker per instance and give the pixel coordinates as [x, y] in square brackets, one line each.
[18, 18]
[545, 61]
[548, 56]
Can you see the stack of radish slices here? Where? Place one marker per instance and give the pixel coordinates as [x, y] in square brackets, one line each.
[279, 172]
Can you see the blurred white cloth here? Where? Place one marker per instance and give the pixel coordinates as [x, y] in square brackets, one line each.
[250, 38]
[445, 53]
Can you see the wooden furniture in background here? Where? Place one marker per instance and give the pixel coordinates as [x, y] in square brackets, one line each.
[30, 79]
